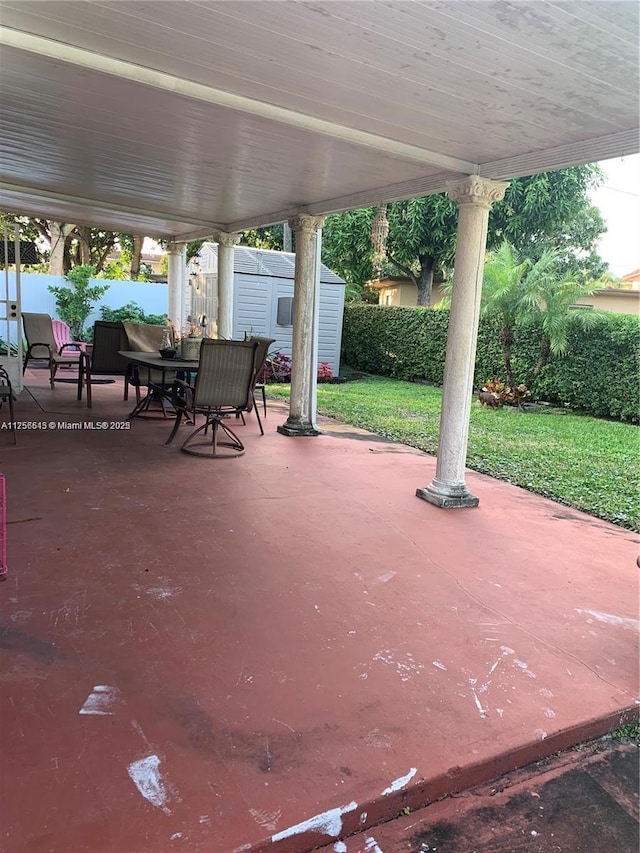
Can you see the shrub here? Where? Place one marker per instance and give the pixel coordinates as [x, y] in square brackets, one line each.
[132, 313]
[324, 372]
[277, 368]
[75, 303]
[598, 375]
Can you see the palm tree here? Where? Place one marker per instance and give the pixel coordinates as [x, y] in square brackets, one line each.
[518, 290]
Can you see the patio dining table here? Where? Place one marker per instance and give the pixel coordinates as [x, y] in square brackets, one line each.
[159, 392]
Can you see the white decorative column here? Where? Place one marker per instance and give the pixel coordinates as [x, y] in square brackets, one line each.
[176, 280]
[226, 243]
[474, 196]
[303, 373]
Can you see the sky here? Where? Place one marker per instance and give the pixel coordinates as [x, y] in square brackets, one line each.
[619, 202]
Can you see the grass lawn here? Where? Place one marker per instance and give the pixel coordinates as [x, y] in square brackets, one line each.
[583, 462]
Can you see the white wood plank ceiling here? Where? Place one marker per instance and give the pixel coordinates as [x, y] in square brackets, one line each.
[175, 118]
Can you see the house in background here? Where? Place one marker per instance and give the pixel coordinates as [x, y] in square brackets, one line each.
[624, 299]
[263, 298]
[402, 291]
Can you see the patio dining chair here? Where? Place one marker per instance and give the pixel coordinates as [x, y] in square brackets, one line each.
[223, 387]
[41, 344]
[262, 351]
[103, 360]
[146, 337]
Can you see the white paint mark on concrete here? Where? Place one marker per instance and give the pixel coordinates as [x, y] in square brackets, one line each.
[267, 820]
[378, 739]
[327, 823]
[386, 577]
[612, 619]
[21, 617]
[549, 712]
[340, 847]
[159, 593]
[400, 783]
[406, 666]
[481, 709]
[146, 776]
[439, 665]
[102, 701]
[371, 845]
[504, 653]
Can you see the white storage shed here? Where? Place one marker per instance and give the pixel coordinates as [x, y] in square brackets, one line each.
[263, 298]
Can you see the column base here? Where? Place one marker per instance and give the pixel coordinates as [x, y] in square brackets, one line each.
[296, 426]
[447, 495]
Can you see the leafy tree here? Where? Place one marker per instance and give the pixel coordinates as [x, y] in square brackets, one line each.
[70, 245]
[271, 237]
[517, 290]
[75, 303]
[540, 212]
[552, 210]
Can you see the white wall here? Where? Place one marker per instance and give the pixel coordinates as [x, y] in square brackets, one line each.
[151, 297]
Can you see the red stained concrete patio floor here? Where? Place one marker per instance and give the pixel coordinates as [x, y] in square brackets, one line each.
[278, 651]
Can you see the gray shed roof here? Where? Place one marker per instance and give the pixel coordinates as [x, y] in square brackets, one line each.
[268, 262]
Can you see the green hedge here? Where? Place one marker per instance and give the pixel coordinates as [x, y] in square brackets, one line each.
[599, 374]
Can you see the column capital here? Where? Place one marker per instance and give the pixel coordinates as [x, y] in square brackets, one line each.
[174, 248]
[476, 190]
[226, 238]
[306, 223]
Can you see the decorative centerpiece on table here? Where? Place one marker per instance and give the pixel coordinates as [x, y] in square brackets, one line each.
[190, 342]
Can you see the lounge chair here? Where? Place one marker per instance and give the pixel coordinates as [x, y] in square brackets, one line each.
[41, 344]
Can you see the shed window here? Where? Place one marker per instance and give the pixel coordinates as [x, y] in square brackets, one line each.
[285, 311]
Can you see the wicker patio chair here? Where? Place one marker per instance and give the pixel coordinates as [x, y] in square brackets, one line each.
[41, 344]
[224, 386]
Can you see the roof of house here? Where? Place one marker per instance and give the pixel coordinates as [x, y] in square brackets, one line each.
[270, 263]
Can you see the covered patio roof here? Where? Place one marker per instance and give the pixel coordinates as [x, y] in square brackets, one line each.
[175, 119]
